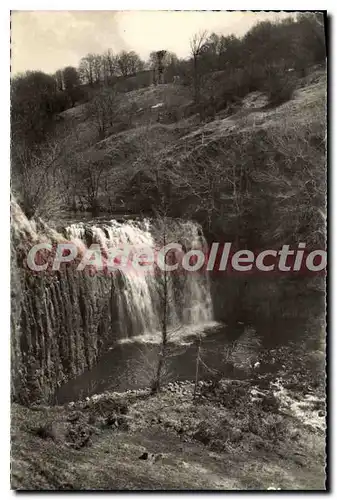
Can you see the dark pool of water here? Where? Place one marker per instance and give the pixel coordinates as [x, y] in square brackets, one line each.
[132, 365]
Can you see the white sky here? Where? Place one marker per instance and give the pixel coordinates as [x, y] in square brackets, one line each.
[49, 40]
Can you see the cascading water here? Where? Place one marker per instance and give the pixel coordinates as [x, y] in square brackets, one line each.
[63, 321]
[137, 294]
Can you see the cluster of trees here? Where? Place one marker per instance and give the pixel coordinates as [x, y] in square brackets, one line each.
[220, 70]
[68, 80]
[36, 98]
[268, 48]
[229, 185]
[298, 41]
[104, 68]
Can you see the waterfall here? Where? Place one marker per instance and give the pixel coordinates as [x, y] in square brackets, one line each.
[138, 294]
[64, 321]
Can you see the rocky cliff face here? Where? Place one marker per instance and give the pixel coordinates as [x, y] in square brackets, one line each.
[62, 321]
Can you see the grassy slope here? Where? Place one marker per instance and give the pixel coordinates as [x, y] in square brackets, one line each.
[309, 100]
[152, 140]
[164, 426]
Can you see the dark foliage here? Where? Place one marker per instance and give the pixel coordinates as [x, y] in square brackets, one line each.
[44, 431]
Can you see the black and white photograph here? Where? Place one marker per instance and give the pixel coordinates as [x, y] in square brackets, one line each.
[168, 250]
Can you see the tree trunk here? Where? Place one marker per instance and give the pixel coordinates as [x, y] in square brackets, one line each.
[197, 368]
[196, 81]
[156, 385]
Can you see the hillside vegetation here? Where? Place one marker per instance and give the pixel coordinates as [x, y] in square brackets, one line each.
[233, 138]
[235, 435]
[75, 132]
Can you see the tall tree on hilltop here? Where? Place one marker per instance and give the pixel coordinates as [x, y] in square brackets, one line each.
[33, 102]
[197, 43]
[129, 63]
[86, 69]
[71, 81]
[59, 80]
[109, 66]
[97, 68]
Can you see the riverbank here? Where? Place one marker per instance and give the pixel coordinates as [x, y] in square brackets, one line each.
[233, 435]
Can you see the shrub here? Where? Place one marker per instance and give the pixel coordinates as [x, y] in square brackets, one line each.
[223, 89]
[44, 431]
[279, 89]
[78, 436]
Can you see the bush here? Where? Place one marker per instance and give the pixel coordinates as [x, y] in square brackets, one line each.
[138, 81]
[78, 436]
[279, 89]
[222, 89]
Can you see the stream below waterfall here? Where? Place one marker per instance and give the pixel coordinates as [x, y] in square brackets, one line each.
[132, 364]
[86, 334]
[137, 297]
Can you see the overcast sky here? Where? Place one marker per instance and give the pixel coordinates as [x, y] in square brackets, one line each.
[49, 40]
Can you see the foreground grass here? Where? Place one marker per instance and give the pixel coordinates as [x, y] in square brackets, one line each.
[229, 438]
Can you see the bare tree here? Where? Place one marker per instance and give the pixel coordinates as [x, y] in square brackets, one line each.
[164, 297]
[169, 320]
[158, 65]
[220, 185]
[86, 68]
[109, 66]
[97, 68]
[129, 63]
[71, 81]
[40, 188]
[92, 172]
[197, 43]
[197, 363]
[104, 109]
[59, 80]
